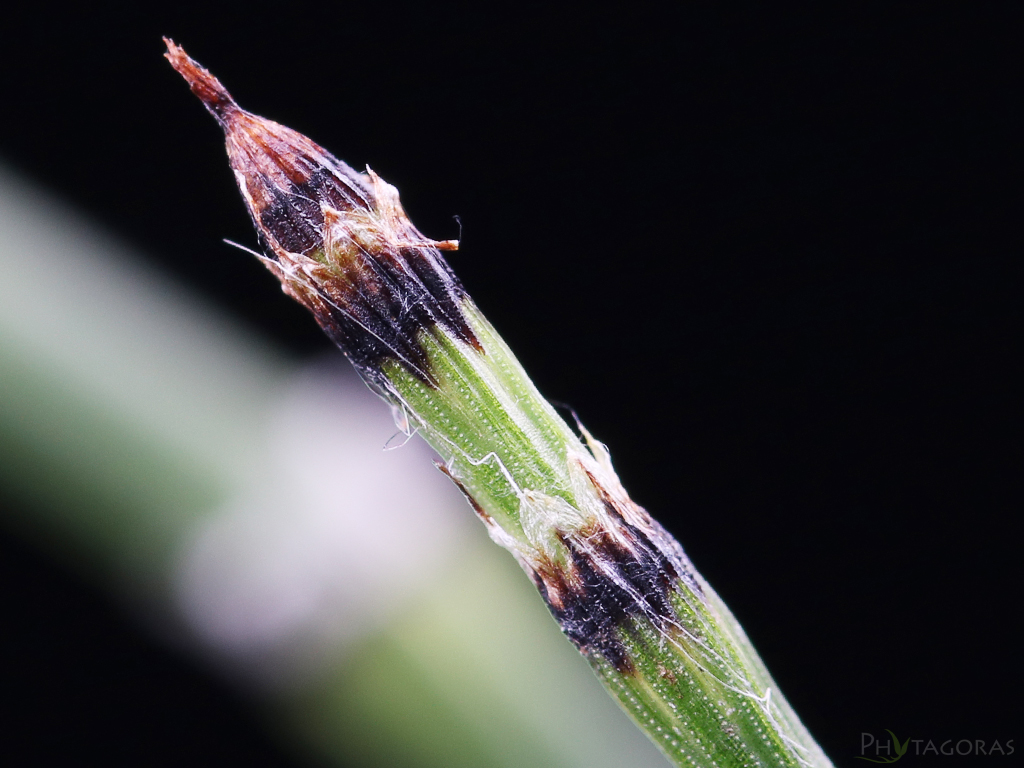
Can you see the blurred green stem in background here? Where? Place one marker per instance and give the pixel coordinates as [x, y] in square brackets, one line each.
[132, 415]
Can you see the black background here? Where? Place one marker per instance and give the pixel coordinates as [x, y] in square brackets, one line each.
[771, 258]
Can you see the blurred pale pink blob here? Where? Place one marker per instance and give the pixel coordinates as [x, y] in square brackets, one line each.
[336, 534]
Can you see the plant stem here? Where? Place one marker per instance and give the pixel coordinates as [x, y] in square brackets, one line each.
[618, 584]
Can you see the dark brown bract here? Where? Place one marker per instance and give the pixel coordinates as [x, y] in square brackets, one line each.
[618, 571]
[338, 240]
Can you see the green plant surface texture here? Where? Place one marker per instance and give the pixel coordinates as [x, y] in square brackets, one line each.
[695, 685]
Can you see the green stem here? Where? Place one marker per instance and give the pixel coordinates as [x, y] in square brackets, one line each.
[618, 584]
[694, 683]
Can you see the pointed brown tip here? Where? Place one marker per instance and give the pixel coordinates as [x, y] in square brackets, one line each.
[204, 85]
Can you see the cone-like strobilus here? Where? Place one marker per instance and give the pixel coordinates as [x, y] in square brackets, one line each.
[618, 584]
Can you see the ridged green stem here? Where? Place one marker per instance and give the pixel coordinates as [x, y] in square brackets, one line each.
[696, 687]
